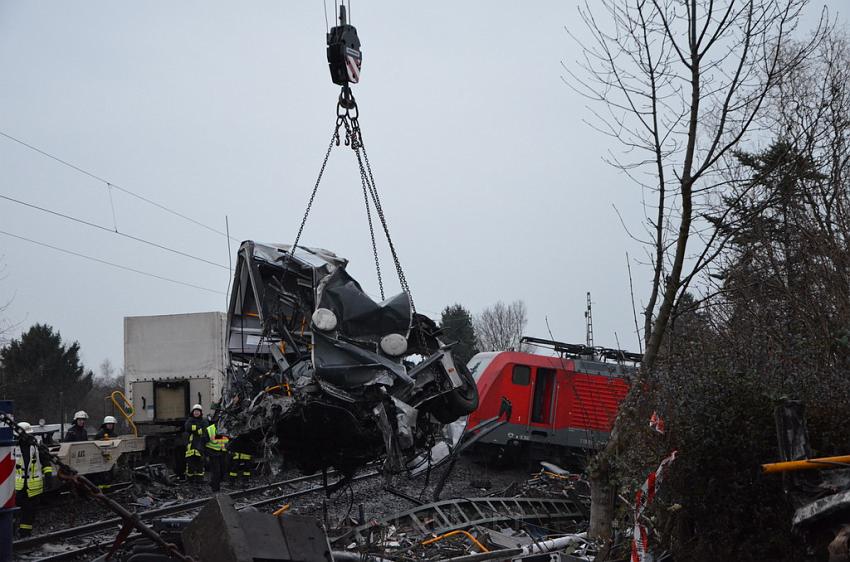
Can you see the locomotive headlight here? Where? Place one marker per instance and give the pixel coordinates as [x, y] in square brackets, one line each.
[394, 344]
[324, 320]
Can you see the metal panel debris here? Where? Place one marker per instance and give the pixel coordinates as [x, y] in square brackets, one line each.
[219, 532]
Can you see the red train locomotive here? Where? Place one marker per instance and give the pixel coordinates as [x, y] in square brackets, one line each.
[567, 401]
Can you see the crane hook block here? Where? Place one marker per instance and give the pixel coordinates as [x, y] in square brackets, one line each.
[344, 55]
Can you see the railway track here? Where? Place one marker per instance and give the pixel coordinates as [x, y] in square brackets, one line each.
[93, 533]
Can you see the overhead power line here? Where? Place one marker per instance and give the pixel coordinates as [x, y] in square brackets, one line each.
[112, 185]
[112, 231]
[109, 263]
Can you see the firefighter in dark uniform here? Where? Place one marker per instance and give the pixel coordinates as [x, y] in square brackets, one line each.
[216, 449]
[240, 461]
[195, 428]
[77, 432]
[32, 471]
[107, 429]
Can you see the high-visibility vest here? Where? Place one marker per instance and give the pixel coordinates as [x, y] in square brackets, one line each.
[215, 443]
[32, 475]
[191, 448]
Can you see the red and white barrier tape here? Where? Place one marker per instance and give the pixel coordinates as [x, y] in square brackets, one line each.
[656, 422]
[7, 478]
[643, 498]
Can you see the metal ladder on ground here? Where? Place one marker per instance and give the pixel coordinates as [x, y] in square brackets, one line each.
[463, 513]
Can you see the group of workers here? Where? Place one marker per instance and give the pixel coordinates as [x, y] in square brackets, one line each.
[78, 432]
[206, 445]
[34, 471]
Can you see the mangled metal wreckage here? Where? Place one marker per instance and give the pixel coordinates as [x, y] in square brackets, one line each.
[325, 376]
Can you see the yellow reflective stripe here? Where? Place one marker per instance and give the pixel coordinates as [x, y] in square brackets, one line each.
[33, 475]
[25, 526]
[216, 444]
[192, 452]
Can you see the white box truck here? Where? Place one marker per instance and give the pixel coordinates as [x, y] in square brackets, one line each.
[170, 363]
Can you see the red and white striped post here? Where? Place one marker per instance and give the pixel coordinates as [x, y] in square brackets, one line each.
[7, 484]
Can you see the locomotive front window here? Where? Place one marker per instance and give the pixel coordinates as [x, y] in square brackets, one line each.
[521, 375]
[479, 363]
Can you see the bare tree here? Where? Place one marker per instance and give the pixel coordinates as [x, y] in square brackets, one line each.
[680, 85]
[777, 324]
[500, 327]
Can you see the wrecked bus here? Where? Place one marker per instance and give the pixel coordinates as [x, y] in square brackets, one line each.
[323, 376]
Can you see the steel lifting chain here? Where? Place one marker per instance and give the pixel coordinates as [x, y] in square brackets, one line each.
[334, 141]
[368, 182]
[348, 118]
[85, 486]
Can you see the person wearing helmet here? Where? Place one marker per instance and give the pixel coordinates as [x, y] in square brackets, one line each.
[195, 429]
[32, 471]
[107, 428]
[78, 432]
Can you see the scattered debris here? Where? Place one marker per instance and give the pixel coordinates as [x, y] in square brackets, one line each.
[219, 532]
[821, 498]
[154, 473]
[464, 513]
[144, 501]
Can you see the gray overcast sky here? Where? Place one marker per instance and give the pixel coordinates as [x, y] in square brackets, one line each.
[493, 186]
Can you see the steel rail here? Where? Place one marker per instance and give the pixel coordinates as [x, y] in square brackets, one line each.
[97, 526]
[106, 543]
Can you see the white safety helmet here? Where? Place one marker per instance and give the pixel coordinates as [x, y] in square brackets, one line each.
[197, 407]
[25, 426]
[110, 419]
[81, 415]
